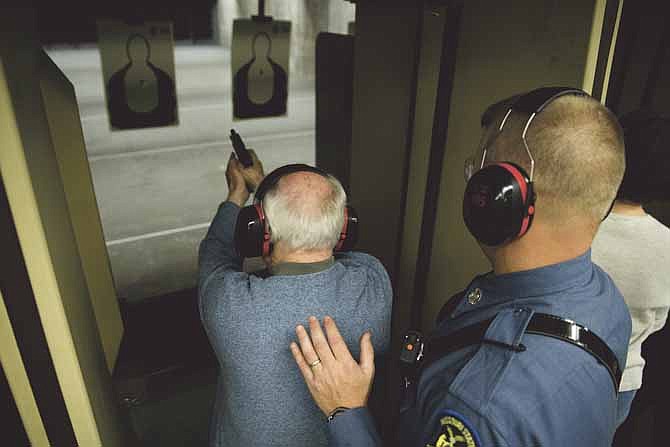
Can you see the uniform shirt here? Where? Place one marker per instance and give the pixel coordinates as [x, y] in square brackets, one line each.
[250, 321]
[635, 252]
[551, 394]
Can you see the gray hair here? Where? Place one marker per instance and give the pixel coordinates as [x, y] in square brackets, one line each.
[306, 224]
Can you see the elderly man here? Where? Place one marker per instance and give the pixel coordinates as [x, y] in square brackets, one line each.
[250, 318]
[512, 362]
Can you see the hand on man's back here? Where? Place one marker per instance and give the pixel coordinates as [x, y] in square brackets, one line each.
[332, 375]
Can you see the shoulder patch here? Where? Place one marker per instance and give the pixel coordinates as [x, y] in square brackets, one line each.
[455, 431]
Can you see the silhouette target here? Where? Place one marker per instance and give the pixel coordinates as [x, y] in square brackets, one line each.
[260, 86]
[139, 94]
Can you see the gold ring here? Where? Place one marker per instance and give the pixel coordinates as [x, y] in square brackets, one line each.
[314, 363]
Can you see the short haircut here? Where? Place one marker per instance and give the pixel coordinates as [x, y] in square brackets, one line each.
[306, 223]
[647, 176]
[495, 110]
[578, 148]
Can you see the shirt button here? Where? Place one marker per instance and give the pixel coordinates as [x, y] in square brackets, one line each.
[474, 296]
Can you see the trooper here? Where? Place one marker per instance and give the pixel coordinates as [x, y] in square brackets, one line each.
[530, 353]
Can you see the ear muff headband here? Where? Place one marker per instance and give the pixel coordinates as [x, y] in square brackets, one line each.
[536, 100]
[273, 178]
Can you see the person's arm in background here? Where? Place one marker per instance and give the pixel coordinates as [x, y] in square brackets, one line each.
[337, 380]
[217, 250]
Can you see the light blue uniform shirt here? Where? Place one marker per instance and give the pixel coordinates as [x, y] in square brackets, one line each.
[551, 394]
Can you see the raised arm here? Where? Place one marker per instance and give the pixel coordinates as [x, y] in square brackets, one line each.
[217, 250]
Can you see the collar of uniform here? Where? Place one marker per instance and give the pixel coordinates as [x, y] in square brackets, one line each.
[543, 281]
[301, 268]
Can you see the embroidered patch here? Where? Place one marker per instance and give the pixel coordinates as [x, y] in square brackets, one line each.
[455, 431]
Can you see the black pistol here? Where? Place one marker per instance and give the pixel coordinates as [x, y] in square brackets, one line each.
[243, 155]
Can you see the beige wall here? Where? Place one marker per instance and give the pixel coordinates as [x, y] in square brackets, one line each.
[432, 30]
[384, 57]
[36, 193]
[503, 48]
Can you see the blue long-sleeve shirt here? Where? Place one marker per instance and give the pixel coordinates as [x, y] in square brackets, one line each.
[250, 320]
[551, 394]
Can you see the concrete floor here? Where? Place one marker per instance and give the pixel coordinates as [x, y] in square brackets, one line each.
[157, 189]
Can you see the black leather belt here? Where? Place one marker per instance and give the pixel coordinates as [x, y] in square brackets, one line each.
[540, 324]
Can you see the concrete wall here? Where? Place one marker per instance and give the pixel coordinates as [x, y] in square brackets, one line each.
[158, 189]
[504, 48]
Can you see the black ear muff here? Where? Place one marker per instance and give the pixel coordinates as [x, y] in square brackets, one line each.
[252, 237]
[499, 203]
[349, 233]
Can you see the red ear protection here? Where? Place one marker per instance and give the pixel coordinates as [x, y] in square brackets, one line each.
[252, 231]
[343, 233]
[266, 231]
[499, 201]
[349, 233]
[526, 189]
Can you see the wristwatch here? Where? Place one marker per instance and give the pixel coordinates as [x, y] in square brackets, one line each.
[337, 411]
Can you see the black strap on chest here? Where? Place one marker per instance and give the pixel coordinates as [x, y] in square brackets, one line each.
[539, 324]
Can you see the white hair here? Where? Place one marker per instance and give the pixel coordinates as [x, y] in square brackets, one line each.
[306, 224]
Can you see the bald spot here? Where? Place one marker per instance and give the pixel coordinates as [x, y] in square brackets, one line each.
[305, 191]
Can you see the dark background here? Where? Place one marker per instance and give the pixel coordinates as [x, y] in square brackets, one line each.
[74, 21]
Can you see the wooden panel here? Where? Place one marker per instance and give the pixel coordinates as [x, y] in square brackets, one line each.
[62, 114]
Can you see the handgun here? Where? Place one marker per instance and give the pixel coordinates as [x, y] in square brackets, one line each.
[241, 151]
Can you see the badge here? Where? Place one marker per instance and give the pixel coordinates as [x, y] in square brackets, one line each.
[455, 431]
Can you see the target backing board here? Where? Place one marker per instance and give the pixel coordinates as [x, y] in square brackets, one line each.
[260, 68]
[138, 72]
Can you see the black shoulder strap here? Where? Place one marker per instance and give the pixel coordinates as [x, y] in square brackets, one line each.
[539, 324]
